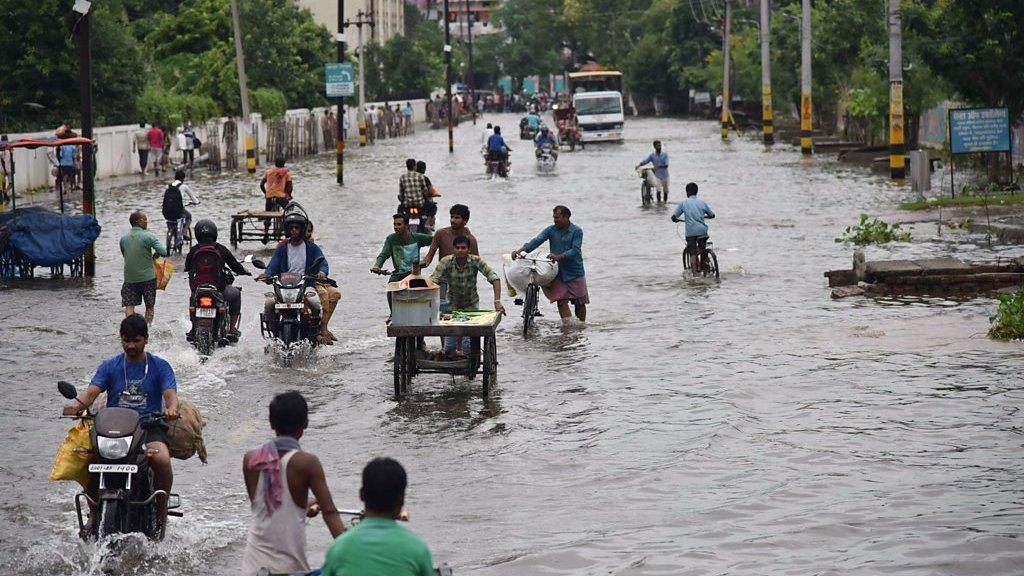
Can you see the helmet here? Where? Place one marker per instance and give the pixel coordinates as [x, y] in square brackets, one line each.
[544, 128]
[293, 219]
[206, 231]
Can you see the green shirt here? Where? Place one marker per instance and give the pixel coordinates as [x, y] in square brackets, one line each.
[137, 247]
[378, 547]
[403, 253]
[462, 281]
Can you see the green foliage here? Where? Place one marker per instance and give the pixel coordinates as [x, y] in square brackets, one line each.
[406, 67]
[873, 232]
[167, 109]
[1008, 322]
[270, 102]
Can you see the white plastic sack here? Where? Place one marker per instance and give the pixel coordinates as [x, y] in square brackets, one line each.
[652, 180]
[517, 273]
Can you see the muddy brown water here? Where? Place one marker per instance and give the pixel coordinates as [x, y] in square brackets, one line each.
[751, 426]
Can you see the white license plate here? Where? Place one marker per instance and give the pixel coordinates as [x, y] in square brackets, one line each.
[206, 312]
[117, 468]
[287, 305]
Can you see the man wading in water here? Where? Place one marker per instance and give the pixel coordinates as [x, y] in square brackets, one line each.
[278, 478]
[565, 240]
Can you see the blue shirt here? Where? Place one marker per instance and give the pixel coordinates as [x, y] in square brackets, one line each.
[66, 154]
[695, 210]
[541, 140]
[660, 163]
[533, 120]
[569, 243]
[496, 143]
[137, 386]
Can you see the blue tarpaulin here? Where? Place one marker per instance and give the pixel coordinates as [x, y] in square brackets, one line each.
[46, 238]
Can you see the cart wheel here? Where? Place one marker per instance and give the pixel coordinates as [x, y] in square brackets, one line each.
[410, 366]
[490, 363]
[473, 358]
[234, 234]
[399, 366]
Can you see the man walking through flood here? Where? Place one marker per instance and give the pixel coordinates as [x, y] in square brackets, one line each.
[138, 247]
[565, 240]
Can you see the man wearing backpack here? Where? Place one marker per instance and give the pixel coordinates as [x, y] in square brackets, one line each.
[174, 206]
[205, 265]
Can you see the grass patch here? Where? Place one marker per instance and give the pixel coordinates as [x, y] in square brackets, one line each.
[873, 232]
[1008, 323]
[991, 200]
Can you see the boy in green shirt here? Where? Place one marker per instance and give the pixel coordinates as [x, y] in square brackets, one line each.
[378, 546]
[138, 248]
[403, 248]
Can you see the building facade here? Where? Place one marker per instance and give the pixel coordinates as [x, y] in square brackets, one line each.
[479, 11]
[388, 17]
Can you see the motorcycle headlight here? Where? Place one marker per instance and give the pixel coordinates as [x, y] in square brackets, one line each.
[113, 448]
[290, 294]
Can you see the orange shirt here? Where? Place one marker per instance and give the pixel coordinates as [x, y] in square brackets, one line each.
[277, 180]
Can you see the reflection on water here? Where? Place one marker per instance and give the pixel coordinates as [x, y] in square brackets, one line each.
[747, 426]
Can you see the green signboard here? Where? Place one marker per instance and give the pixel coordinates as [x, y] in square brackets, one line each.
[340, 80]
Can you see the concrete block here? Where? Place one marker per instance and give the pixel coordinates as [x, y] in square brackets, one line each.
[944, 266]
[879, 271]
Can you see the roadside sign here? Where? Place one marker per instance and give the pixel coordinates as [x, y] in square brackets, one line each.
[979, 130]
[340, 80]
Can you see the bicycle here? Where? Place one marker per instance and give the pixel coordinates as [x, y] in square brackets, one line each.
[707, 260]
[647, 189]
[532, 292]
[177, 229]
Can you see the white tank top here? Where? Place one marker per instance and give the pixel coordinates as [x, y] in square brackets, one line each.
[276, 541]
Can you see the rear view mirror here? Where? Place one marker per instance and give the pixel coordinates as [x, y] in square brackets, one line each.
[67, 390]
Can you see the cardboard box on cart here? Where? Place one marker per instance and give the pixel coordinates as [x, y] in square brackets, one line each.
[415, 301]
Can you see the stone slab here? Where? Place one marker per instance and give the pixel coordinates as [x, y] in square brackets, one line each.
[875, 271]
[944, 265]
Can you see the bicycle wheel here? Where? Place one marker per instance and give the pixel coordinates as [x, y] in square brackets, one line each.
[686, 259]
[645, 194]
[529, 308]
[169, 244]
[713, 264]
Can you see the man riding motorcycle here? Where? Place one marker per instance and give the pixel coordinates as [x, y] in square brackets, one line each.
[497, 149]
[142, 382]
[211, 271]
[297, 256]
[545, 138]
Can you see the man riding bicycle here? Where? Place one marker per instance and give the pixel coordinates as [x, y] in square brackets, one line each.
[659, 161]
[174, 206]
[694, 211]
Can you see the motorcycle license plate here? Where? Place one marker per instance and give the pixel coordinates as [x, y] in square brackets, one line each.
[206, 312]
[287, 305]
[118, 468]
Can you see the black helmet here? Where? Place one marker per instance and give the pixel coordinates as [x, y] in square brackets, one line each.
[294, 218]
[206, 231]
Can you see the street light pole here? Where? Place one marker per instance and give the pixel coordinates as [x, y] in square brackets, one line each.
[339, 137]
[243, 89]
[448, 73]
[806, 125]
[767, 116]
[897, 147]
[88, 160]
[726, 56]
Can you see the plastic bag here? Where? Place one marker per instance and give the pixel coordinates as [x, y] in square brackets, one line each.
[185, 435]
[74, 454]
[164, 268]
[517, 273]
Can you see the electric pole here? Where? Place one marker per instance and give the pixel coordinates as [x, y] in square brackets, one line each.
[767, 116]
[897, 148]
[726, 56]
[243, 88]
[471, 83]
[339, 140]
[448, 73]
[806, 125]
[84, 33]
[361, 20]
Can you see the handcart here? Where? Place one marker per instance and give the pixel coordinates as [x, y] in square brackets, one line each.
[256, 225]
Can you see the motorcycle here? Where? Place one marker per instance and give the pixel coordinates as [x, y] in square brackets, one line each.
[127, 500]
[295, 323]
[497, 166]
[208, 311]
[547, 157]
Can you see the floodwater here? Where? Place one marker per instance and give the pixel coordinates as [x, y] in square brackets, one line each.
[752, 426]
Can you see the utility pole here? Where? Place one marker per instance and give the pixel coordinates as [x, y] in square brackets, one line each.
[471, 83]
[448, 73]
[339, 137]
[361, 20]
[897, 148]
[806, 125]
[726, 57]
[88, 157]
[243, 88]
[767, 116]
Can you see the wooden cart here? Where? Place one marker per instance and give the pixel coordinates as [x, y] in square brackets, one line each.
[257, 225]
[480, 327]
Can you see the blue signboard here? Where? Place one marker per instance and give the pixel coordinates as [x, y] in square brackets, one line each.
[979, 130]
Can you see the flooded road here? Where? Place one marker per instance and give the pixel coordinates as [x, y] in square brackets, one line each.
[753, 426]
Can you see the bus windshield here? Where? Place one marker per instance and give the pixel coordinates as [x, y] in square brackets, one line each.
[606, 105]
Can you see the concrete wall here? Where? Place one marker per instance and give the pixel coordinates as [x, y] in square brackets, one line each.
[116, 158]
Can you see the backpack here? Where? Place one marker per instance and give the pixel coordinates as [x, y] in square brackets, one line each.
[207, 267]
[173, 205]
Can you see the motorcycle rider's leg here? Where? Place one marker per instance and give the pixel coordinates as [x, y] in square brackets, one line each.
[163, 476]
[233, 297]
[329, 297]
[270, 314]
